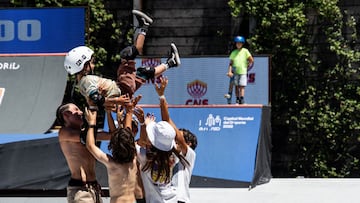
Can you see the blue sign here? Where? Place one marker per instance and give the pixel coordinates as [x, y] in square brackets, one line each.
[227, 138]
[41, 30]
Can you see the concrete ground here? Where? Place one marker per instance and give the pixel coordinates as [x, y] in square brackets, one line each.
[299, 190]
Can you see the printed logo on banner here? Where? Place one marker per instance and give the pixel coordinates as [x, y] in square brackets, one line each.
[33, 30]
[216, 123]
[251, 76]
[197, 89]
[9, 66]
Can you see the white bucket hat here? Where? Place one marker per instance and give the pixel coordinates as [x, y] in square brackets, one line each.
[161, 135]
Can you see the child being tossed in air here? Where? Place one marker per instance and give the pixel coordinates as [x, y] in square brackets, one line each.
[80, 62]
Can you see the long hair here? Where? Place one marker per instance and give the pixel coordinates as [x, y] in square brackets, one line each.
[160, 163]
[122, 146]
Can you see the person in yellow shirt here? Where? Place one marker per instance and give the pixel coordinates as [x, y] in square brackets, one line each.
[240, 60]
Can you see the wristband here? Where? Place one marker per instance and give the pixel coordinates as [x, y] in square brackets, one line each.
[93, 108]
[162, 97]
[92, 126]
[143, 123]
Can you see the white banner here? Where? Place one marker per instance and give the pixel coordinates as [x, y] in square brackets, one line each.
[203, 81]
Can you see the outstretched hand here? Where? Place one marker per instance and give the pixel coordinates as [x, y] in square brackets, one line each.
[90, 116]
[121, 100]
[160, 87]
[133, 102]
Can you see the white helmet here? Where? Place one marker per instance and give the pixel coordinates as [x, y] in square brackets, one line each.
[76, 58]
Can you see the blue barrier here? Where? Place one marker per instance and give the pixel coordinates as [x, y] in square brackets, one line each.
[228, 140]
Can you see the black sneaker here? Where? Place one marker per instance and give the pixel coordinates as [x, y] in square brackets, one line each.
[142, 18]
[174, 58]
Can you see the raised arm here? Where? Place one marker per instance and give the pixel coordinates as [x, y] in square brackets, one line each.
[129, 107]
[90, 139]
[165, 115]
[122, 100]
[160, 89]
[110, 119]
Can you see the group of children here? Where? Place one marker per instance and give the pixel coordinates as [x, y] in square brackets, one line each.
[155, 168]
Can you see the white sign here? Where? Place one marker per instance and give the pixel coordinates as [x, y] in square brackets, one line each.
[203, 81]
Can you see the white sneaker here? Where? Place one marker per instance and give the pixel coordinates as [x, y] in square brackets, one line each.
[227, 96]
[174, 58]
[142, 18]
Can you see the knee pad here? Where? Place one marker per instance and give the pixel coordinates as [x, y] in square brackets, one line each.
[145, 72]
[129, 53]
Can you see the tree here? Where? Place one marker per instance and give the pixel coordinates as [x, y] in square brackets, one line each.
[314, 83]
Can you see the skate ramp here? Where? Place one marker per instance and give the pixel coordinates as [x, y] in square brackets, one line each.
[34, 87]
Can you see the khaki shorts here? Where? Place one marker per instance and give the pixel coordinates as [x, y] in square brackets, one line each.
[80, 194]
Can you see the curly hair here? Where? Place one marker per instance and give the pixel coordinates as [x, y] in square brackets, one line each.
[122, 146]
[160, 165]
[190, 138]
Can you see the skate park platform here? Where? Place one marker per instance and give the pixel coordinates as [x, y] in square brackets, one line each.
[278, 190]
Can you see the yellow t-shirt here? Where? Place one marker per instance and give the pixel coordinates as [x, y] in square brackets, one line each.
[240, 60]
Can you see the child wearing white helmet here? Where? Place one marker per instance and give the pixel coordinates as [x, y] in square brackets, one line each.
[80, 61]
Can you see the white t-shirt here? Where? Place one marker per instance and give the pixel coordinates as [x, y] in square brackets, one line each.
[182, 176]
[91, 83]
[155, 191]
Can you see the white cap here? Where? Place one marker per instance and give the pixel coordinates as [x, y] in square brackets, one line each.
[161, 135]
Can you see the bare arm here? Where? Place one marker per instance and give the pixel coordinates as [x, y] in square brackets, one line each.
[90, 139]
[250, 61]
[160, 89]
[165, 115]
[103, 136]
[122, 100]
[111, 123]
[230, 73]
[143, 140]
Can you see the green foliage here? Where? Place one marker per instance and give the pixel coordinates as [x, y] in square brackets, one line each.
[315, 94]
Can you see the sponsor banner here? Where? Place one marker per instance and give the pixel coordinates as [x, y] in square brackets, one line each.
[227, 138]
[203, 81]
[41, 30]
[35, 87]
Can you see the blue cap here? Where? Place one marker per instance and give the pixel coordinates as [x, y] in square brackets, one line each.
[239, 39]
